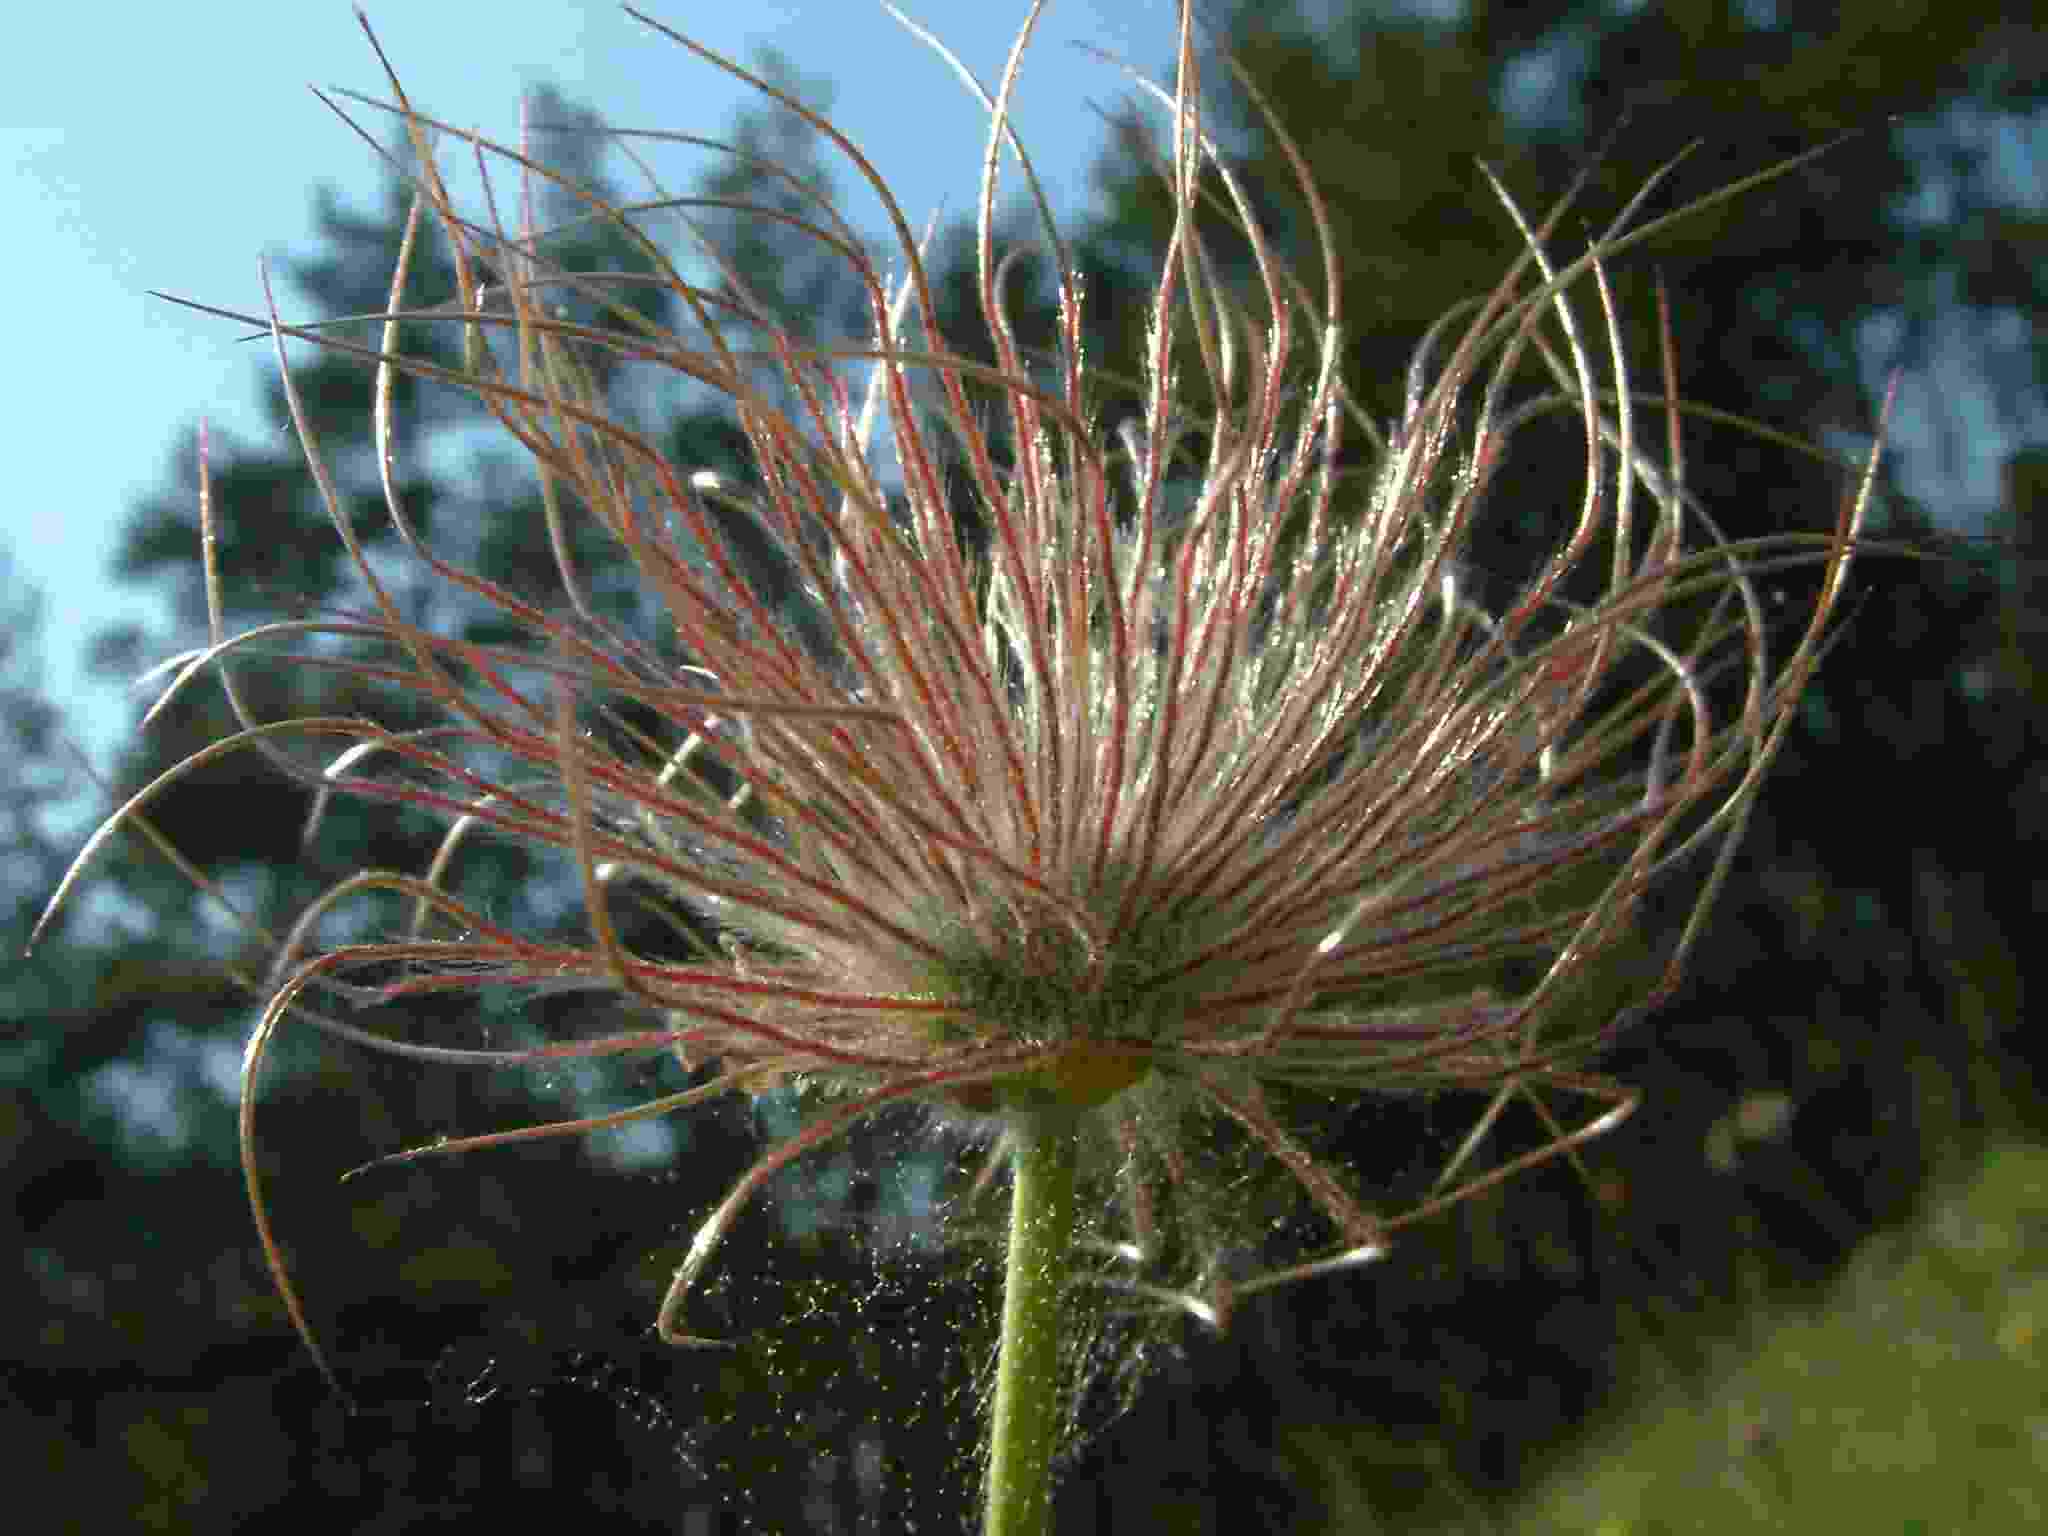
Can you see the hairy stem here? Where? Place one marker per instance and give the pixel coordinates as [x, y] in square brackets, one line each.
[1029, 1385]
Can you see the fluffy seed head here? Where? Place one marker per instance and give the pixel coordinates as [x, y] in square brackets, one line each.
[1163, 774]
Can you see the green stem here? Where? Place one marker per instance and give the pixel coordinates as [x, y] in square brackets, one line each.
[1030, 1387]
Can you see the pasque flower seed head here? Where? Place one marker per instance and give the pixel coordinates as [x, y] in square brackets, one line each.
[1167, 775]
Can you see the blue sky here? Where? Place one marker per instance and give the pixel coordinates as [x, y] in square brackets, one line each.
[171, 147]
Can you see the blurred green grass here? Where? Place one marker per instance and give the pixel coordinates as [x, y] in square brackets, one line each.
[1910, 1400]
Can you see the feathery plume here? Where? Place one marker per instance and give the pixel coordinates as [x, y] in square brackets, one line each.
[1166, 785]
